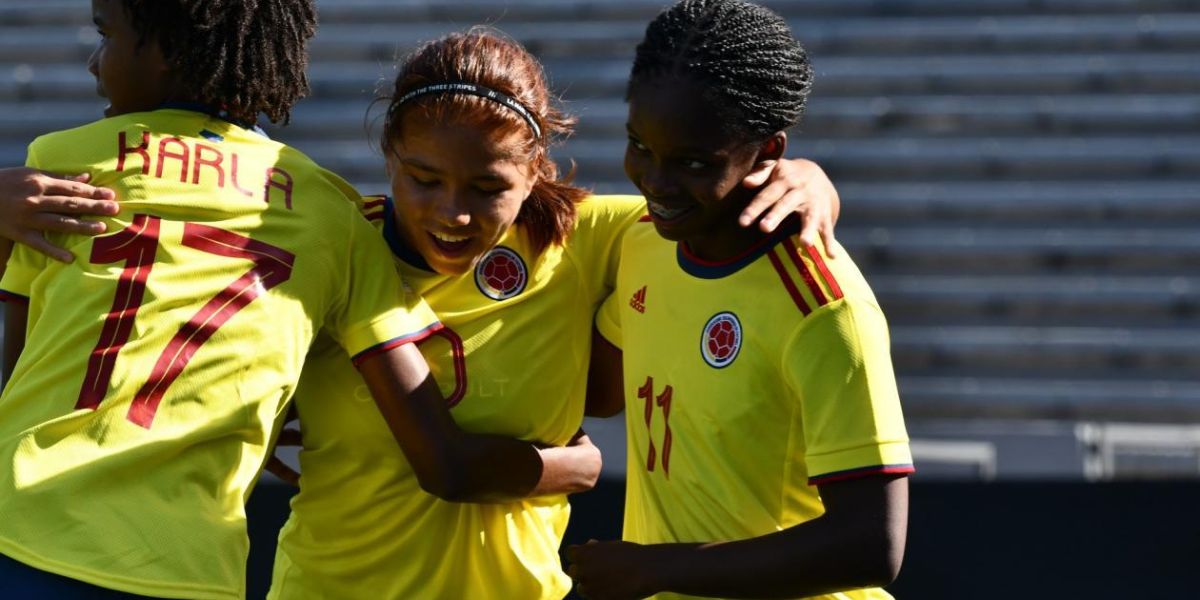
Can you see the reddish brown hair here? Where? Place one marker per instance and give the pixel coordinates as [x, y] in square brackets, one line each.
[485, 57]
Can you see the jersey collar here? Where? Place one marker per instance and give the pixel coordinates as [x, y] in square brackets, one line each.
[214, 112]
[399, 248]
[703, 269]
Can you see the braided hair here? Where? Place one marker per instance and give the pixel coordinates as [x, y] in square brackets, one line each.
[245, 57]
[756, 74]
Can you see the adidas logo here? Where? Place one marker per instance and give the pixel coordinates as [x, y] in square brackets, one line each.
[638, 301]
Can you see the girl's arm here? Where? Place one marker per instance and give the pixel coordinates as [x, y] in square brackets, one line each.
[605, 391]
[15, 315]
[459, 466]
[32, 202]
[794, 186]
[858, 542]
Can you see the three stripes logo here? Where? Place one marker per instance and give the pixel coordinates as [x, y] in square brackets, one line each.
[638, 301]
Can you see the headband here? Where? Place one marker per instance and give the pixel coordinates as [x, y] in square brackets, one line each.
[474, 90]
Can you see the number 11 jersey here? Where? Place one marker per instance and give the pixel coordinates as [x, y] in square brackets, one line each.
[747, 383]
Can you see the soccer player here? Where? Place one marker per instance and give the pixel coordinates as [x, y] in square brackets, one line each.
[516, 260]
[767, 454]
[148, 375]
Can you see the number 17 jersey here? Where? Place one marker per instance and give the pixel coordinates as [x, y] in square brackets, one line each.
[157, 364]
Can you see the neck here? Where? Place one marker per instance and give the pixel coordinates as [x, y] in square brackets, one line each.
[726, 243]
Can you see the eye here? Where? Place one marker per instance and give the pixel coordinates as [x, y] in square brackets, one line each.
[636, 145]
[695, 165]
[491, 190]
[423, 180]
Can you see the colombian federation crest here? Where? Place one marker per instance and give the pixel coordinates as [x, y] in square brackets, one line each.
[721, 340]
[501, 274]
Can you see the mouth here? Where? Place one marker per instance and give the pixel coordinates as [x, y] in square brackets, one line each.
[450, 245]
[666, 215]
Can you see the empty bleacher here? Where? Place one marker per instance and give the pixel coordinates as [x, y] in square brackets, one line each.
[1020, 178]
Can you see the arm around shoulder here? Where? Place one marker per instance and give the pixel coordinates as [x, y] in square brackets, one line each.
[33, 202]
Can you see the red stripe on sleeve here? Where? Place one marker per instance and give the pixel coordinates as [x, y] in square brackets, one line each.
[376, 216]
[813, 286]
[411, 338]
[860, 473]
[374, 203]
[787, 282]
[820, 262]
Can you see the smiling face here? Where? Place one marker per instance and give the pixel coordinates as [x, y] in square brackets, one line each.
[457, 189]
[688, 169]
[132, 78]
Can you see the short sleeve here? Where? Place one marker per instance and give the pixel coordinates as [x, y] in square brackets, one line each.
[839, 364]
[603, 221]
[377, 310]
[608, 320]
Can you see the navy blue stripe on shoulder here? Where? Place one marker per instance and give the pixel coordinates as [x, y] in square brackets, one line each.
[397, 245]
[698, 267]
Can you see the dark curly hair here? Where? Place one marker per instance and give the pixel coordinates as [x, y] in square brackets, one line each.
[486, 57]
[245, 57]
[756, 74]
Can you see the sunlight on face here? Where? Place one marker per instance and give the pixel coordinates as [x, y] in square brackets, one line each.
[457, 188]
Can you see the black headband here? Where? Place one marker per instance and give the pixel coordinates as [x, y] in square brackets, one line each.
[474, 90]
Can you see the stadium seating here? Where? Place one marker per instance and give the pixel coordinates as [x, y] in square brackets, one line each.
[1021, 178]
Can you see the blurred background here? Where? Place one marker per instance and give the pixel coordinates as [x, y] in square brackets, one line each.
[1020, 182]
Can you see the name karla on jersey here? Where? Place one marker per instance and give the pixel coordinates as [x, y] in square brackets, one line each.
[167, 156]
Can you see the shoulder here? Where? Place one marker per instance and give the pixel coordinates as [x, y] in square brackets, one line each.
[319, 186]
[71, 141]
[605, 213]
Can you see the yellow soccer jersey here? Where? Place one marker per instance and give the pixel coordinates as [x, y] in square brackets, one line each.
[512, 360]
[156, 364]
[747, 383]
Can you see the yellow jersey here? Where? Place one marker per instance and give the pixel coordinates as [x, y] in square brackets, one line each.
[157, 364]
[747, 382]
[511, 360]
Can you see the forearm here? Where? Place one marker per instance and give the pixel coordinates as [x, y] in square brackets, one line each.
[486, 468]
[817, 557]
[858, 542]
[453, 464]
[494, 468]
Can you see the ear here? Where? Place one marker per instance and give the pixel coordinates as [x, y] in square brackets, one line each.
[774, 147]
[533, 176]
[769, 153]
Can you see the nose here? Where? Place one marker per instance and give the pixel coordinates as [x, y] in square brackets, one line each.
[453, 209]
[93, 62]
[656, 181]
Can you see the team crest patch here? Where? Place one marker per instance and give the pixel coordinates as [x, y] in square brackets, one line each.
[721, 340]
[501, 274]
